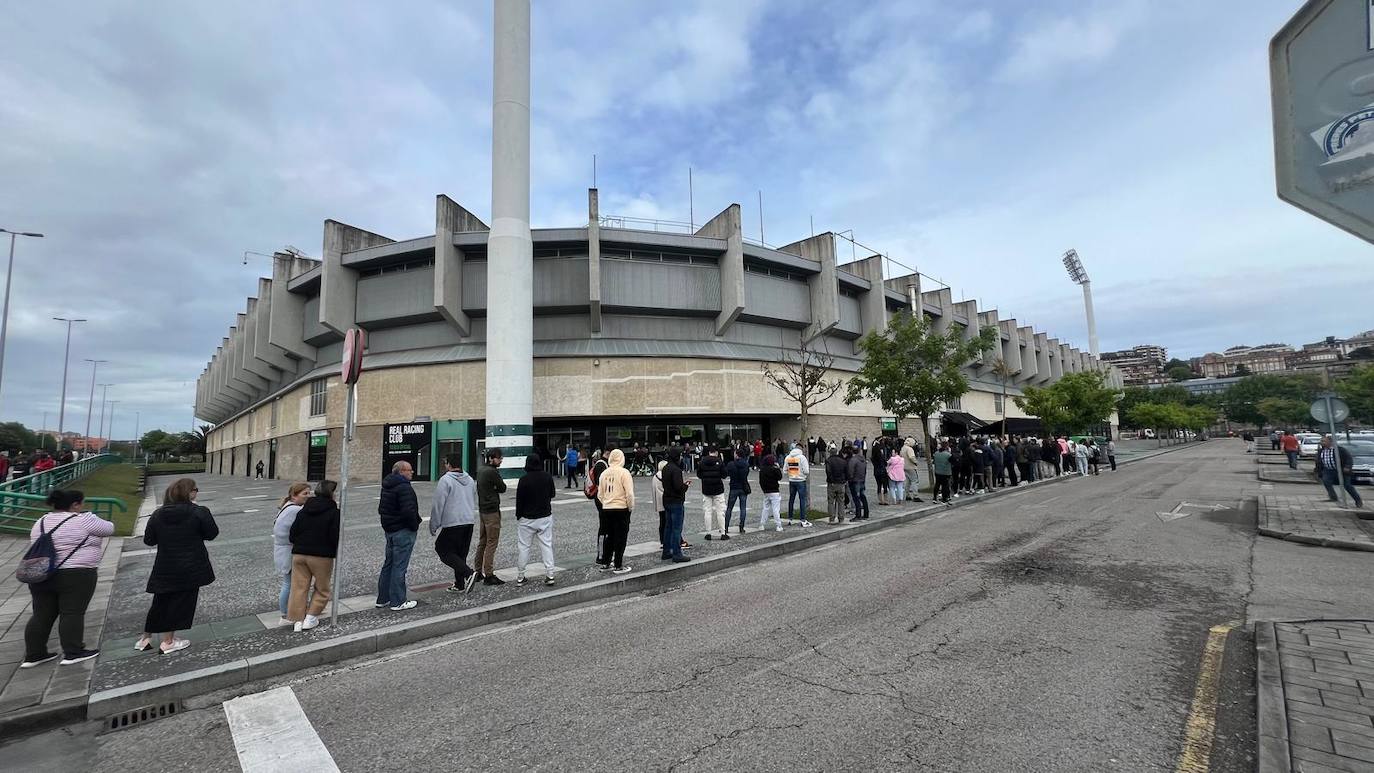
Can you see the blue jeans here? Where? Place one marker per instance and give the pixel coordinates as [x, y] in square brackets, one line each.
[795, 490]
[1330, 482]
[391, 583]
[285, 592]
[672, 530]
[1292, 459]
[736, 495]
[858, 494]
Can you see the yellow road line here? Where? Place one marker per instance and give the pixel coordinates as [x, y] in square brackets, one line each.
[1202, 717]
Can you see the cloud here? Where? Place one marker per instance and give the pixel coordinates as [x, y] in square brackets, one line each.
[1052, 43]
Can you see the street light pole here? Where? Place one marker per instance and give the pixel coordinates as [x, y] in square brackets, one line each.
[100, 428]
[66, 360]
[9, 280]
[90, 406]
[138, 424]
[110, 442]
[1079, 275]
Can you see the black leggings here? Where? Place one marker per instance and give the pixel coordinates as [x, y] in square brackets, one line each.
[452, 547]
[941, 491]
[63, 599]
[617, 533]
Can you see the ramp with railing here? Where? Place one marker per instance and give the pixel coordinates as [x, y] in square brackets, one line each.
[24, 500]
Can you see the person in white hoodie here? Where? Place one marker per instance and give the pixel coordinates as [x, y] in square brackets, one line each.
[451, 517]
[797, 469]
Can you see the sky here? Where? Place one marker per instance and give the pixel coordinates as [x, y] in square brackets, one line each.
[155, 142]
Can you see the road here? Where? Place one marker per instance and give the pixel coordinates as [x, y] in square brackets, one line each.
[1059, 628]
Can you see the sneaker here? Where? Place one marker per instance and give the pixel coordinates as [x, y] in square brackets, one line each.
[297, 628]
[741, 530]
[779, 528]
[685, 544]
[310, 622]
[681, 559]
[600, 567]
[549, 581]
[470, 581]
[917, 499]
[806, 524]
[77, 657]
[492, 579]
[285, 621]
[617, 570]
[380, 604]
[37, 661]
[520, 580]
[724, 536]
[404, 605]
[454, 589]
[708, 537]
[666, 557]
[176, 646]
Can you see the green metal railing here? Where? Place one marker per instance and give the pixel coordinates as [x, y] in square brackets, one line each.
[24, 500]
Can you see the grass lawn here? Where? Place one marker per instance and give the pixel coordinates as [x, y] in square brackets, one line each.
[119, 481]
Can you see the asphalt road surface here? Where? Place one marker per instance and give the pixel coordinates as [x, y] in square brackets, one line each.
[1059, 628]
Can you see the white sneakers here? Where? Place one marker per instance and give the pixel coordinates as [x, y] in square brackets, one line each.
[404, 605]
[310, 622]
[176, 646]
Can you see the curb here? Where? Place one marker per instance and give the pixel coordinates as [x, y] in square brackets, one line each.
[243, 671]
[1271, 712]
[1326, 542]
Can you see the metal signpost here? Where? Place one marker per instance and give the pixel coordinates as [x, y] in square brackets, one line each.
[1321, 67]
[1332, 410]
[355, 341]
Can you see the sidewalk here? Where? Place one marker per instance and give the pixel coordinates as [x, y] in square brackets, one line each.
[1315, 683]
[1314, 520]
[49, 690]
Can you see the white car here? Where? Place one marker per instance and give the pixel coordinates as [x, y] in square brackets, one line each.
[1308, 444]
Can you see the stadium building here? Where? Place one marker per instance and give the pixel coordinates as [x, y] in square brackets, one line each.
[639, 336]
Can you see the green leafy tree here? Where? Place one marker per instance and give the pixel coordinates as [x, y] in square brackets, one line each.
[1357, 390]
[159, 443]
[1241, 402]
[1198, 417]
[1078, 402]
[1175, 362]
[1004, 374]
[1160, 417]
[1180, 373]
[15, 437]
[1283, 412]
[911, 370]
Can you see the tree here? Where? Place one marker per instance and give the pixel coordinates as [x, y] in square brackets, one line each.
[1175, 362]
[1240, 403]
[1283, 412]
[1357, 390]
[158, 442]
[911, 370]
[1077, 402]
[1180, 373]
[801, 375]
[16, 438]
[1198, 417]
[1160, 417]
[1004, 374]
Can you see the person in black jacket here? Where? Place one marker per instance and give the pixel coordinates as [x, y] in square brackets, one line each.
[858, 483]
[738, 471]
[179, 530]
[711, 474]
[534, 518]
[314, 544]
[400, 514]
[836, 485]
[674, 497]
[770, 477]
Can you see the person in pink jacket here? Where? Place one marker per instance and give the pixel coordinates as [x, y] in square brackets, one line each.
[896, 475]
[78, 538]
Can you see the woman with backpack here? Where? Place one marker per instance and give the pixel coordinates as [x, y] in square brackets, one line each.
[72, 544]
[281, 540]
[179, 530]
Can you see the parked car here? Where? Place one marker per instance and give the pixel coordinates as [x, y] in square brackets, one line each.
[1362, 453]
[1308, 444]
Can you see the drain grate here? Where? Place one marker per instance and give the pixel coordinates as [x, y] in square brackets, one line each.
[141, 715]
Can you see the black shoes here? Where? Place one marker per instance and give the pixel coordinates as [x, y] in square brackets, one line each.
[724, 535]
[492, 579]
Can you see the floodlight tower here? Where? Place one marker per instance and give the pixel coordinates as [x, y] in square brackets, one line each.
[1079, 275]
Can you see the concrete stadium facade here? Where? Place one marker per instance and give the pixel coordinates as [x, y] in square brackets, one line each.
[638, 336]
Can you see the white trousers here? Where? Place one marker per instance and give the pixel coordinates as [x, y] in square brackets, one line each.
[531, 528]
[772, 505]
[713, 511]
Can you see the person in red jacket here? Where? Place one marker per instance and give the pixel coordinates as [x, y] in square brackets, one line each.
[44, 463]
[4, 466]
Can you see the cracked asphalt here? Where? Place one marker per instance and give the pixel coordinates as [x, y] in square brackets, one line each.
[1060, 628]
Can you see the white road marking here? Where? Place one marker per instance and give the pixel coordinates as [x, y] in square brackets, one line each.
[271, 733]
[252, 511]
[252, 496]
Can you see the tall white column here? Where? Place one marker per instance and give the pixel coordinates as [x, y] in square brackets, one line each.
[1092, 323]
[510, 253]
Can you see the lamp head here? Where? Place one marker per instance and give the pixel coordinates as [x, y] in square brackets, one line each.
[1074, 266]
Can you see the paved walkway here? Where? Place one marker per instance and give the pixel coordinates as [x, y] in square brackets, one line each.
[1316, 695]
[49, 687]
[1313, 519]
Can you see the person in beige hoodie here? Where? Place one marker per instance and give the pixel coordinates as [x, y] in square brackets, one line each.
[616, 492]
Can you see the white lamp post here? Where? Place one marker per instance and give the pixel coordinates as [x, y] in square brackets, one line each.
[1079, 275]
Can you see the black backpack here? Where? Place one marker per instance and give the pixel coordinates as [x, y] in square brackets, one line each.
[40, 562]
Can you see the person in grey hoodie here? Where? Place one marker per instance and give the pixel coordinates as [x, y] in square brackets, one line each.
[451, 517]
